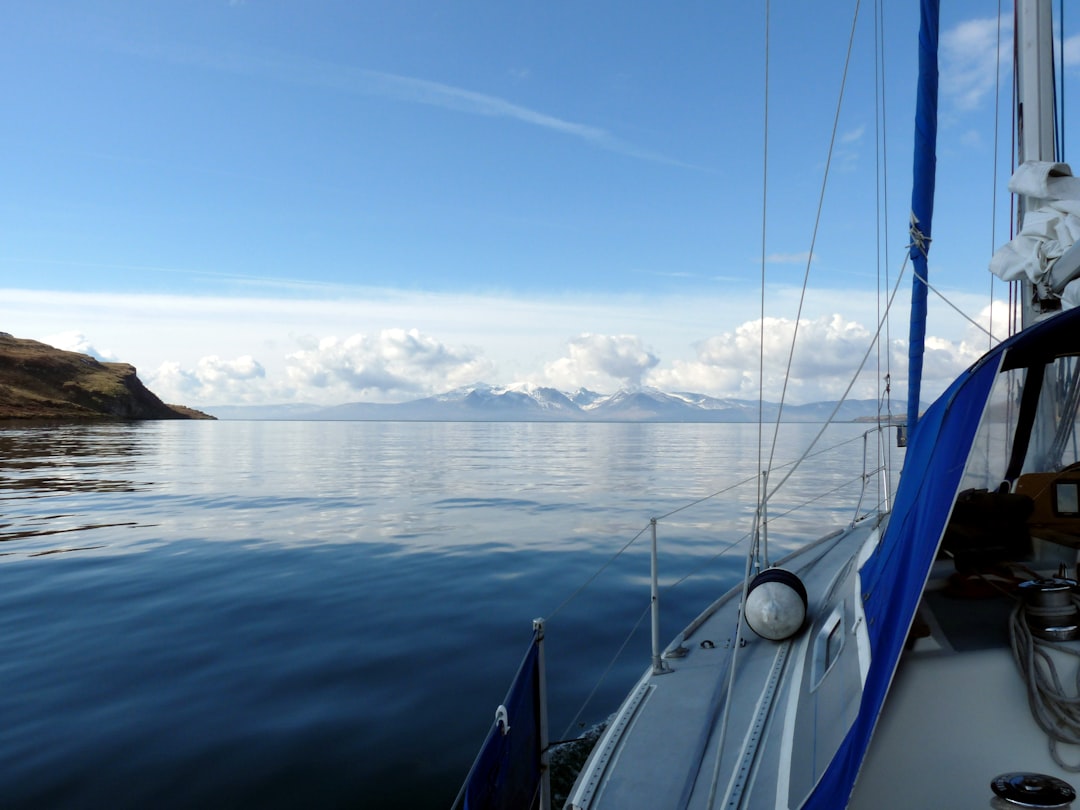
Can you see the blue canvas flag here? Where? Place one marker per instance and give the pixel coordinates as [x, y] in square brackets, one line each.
[506, 774]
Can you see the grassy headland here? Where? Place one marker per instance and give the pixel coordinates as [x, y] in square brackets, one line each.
[38, 381]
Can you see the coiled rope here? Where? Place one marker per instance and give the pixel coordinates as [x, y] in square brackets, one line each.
[1055, 711]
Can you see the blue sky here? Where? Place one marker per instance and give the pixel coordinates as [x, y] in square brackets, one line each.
[338, 201]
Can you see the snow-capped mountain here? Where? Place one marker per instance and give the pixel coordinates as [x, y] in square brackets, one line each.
[525, 402]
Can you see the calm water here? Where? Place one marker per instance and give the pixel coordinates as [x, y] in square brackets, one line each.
[326, 614]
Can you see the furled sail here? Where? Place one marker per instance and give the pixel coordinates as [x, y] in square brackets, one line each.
[1045, 252]
[922, 197]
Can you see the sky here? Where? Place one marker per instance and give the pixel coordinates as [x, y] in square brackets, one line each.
[269, 201]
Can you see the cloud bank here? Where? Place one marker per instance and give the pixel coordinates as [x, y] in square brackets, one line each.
[206, 351]
[211, 380]
[395, 365]
[389, 365]
[829, 349]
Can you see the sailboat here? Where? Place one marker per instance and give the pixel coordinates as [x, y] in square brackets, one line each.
[927, 656]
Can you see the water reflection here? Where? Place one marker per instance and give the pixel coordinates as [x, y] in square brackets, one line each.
[63, 454]
[52, 477]
[420, 487]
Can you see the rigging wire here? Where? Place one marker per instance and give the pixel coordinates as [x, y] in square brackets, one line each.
[597, 573]
[813, 238]
[761, 494]
[956, 308]
[764, 228]
[883, 323]
[604, 674]
[883, 233]
[778, 516]
[994, 189]
[763, 501]
[578, 591]
[702, 499]
[697, 569]
[689, 505]
[851, 384]
[1014, 286]
[775, 517]
[878, 128]
[1055, 56]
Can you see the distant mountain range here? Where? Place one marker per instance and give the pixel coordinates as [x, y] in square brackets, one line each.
[531, 403]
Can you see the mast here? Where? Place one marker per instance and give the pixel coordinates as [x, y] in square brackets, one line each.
[1036, 142]
[922, 197]
[1035, 121]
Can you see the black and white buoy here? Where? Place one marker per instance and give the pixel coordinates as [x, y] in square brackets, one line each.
[776, 604]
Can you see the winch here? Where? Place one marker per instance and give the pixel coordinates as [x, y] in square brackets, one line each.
[1050, 608]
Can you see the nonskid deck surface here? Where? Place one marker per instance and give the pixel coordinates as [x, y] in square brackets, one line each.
[957, 715]
[661, 749]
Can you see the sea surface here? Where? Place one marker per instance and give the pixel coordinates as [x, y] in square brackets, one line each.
[326, 614]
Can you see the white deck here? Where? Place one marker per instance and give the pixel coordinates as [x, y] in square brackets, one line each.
[955, 719]
[661, 749]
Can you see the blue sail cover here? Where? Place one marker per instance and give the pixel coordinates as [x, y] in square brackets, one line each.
[506, 773]
[922, 197]
[894, 576]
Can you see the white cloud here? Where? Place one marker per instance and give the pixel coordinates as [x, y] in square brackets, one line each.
[77, 342]
[971, 139]
[438, 94]
[212, 380]
[854, 135]
[945, 359]
[408, 89]
[727, 364]
[791, 258]
[388, 365]
[596, 361]
[971, 58]
[391, 365]
[1070, 50]
[829, 350]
